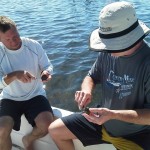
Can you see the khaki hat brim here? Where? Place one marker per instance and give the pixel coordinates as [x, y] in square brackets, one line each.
[121, 43]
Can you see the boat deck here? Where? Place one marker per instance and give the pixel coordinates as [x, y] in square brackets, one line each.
[16, 147]
[102, 146]
[46, 143]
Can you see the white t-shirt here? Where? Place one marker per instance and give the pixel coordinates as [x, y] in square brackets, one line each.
[30, 57]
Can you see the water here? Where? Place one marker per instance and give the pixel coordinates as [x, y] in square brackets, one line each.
[63, 28]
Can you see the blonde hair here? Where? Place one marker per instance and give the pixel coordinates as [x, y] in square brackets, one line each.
[6, 23]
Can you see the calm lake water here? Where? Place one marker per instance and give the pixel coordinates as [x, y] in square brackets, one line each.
[63, 28]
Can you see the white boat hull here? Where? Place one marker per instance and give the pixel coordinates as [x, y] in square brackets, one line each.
[46, 143]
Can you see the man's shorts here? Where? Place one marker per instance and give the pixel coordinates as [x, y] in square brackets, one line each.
[90, 134]
[30, 108]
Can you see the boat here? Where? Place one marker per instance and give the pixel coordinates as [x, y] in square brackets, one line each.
[46, 143]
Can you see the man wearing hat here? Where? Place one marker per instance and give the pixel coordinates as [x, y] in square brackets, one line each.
[123, 70]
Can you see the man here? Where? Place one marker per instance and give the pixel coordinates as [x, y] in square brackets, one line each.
[123, 70]
[23, 65]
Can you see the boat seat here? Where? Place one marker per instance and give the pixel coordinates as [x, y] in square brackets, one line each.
[46, 143]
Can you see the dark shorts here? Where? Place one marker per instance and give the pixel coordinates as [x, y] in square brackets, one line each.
[30, 108]
[90, 134]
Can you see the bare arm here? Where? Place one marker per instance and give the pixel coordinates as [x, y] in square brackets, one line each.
[83, 97]
[139, 116]
[22, 76]
[87, 84]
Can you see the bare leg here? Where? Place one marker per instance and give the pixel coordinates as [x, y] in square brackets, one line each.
[42, 121]
[61, 135]
[6, 125]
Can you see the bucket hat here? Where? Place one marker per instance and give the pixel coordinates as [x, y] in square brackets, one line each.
[119, 28]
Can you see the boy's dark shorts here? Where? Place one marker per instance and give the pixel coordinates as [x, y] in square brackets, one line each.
[30, 108]
[90, 134]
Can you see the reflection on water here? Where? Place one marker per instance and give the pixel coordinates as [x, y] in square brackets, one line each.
[63, 28]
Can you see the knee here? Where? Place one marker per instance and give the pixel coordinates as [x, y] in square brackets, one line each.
[51, 128]
[54, 128]
[4, 133]
[43, 120]
[43, 125]
[43, 128]
[6, 125]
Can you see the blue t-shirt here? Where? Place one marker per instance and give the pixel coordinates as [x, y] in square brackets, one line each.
[125, 84]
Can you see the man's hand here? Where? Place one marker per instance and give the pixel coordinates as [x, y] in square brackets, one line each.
[24, 76]
[99, 115]
[45, 76]
[20, 75]
[82, 98]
